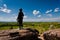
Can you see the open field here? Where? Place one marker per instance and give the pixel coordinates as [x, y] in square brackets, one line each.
[40, 26]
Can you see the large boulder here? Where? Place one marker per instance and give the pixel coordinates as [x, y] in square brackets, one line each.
[24, 34]
[52, 34]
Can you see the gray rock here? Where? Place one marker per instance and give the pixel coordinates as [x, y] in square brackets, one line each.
[24, 34]
[52, 34]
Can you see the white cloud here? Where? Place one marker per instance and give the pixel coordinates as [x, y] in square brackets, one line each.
[56, 10]
[5, 5]
[44, 20]
[13, 19]
[48, 11]
[35, 12]
[49, 15]
[4, 9]
[25, 16]
[39, 16]
[10, 19]
[52, 19]
[7, 19]
[24, 13]
[13, 14]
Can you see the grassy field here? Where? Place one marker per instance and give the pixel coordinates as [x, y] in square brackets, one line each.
[40, 26]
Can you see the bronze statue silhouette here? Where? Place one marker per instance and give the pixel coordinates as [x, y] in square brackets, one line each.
[20, 19]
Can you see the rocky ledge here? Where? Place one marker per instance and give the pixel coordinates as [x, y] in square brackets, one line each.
[24, 34]
[29, 34]
[52, 34]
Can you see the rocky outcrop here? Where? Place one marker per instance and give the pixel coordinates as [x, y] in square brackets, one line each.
[29, 34]
[24, 34]
[52, 34]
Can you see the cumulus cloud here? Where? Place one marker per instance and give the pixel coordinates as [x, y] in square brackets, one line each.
[56, 10]
[4, 9]
[48, 11]
[49, 15]
[13, 14]
[5, 19]
[52, 19]
[5, 5]
[25, 16]
[8, 19]
[30, 20]
[39, 16]
[35, 12]
[44, 20]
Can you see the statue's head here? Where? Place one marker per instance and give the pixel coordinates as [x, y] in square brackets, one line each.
[20, 9]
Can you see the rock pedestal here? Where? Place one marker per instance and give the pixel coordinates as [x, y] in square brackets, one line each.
[25, 34]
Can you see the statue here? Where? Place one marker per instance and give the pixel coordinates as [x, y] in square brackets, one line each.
[20, 19]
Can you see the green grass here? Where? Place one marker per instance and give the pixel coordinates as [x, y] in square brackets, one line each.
[40, 26]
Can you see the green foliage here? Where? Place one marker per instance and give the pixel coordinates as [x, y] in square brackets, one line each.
[40, 26]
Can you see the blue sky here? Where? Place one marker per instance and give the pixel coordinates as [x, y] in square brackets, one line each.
[34, 10]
